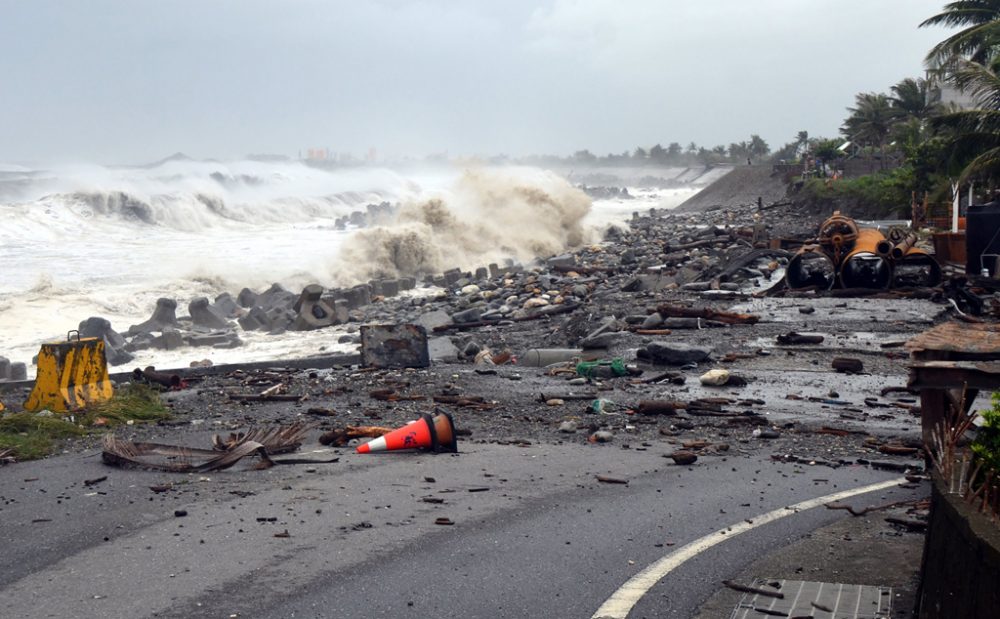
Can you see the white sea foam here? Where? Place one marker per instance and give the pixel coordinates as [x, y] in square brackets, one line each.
[80, 241]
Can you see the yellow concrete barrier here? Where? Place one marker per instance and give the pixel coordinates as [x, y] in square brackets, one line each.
[71, 374]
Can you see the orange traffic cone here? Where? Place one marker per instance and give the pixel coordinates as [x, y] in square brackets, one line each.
[433, 433]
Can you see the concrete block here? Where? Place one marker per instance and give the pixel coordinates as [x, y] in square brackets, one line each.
[394, 346]
[203, 315]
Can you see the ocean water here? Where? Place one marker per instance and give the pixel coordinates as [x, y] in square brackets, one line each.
[81, 241]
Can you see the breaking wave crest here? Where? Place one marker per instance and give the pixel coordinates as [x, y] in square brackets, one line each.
[193, 196]
[187, 211]
[486, 217]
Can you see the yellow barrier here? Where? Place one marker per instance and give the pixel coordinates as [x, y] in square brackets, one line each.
[71, 374]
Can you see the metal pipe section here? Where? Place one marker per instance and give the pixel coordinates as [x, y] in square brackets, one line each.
[811, 266]
[863, 267]
[884, 248]
[903, 246]
[917, 269]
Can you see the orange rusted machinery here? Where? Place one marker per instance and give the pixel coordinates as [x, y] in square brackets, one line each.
[844, 254]
[863, 267]
[837, 236]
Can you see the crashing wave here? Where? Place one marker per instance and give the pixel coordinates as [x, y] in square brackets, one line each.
[486, 218]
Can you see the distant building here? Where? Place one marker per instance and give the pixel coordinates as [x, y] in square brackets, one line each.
[941, 92]
[318, 154]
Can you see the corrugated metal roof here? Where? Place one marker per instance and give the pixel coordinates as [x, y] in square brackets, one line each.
[958, 340]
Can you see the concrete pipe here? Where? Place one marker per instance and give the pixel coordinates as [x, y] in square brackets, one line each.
[811, 266]
[863, 267]
[917, 269]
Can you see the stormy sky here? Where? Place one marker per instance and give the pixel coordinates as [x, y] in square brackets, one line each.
[130, 81]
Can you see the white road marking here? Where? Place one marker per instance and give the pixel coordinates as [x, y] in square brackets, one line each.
[620, 604]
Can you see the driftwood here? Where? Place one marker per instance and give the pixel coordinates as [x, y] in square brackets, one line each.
[582, 270]
[794, 338]
[338, 437]
[872, 508]
[258, 397]
[465, 401]
[545, 397]
[668, 248]
[549, 310]
[847, 364]
[729, 318]
[735, 586]
[674, 377]
[390, 395]
[660, 407]
[899, 450]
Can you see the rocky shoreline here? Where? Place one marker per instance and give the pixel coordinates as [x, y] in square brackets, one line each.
[657, 296]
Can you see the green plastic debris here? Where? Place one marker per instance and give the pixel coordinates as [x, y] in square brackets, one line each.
[602, 368]
[601, 406]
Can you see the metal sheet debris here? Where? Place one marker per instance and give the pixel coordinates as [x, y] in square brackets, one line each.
[177, 459]
[822, 600]
[959, 341]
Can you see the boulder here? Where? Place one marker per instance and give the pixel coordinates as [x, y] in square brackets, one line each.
[442, 349]
[601, 340]
[470, 315]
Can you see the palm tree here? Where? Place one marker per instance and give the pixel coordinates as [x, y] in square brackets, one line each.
[871, 121]
[910, 97]
[980, 35]
[758, 147]
[975, 134]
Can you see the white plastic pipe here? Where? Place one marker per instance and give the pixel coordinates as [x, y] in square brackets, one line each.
[954, 207]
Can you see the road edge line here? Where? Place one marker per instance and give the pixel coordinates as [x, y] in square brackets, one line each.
[621, 602]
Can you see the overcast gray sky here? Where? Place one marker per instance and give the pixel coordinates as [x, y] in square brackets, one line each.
[132, 80]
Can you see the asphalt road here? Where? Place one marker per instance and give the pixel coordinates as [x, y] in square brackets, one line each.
[535, 534]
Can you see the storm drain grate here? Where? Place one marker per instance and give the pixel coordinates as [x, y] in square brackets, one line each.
[822, 600]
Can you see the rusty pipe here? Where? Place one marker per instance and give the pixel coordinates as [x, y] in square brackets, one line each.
[163, 379]
[917, 269]
[884, 248]
[811, 266]
[863, 267]
[903, 246]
